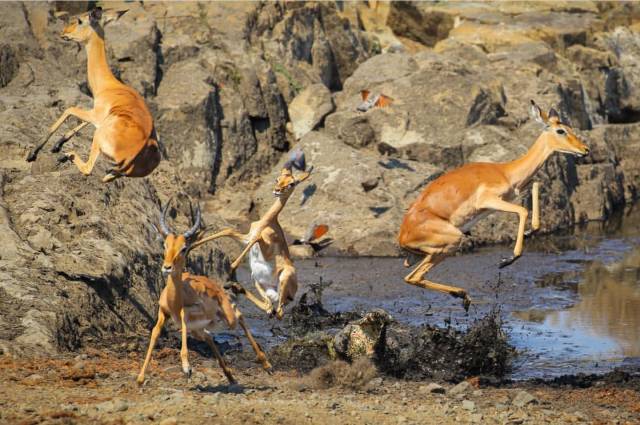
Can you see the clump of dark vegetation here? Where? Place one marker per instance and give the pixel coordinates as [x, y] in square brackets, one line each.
[445, 353]
[303, 353]
[400, 350]
[309, 315]
[354, 376]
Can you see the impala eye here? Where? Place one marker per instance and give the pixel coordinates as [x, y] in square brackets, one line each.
[79, 21]
[561, 131]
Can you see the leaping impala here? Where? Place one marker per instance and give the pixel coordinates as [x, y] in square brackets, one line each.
[271, 266]
[193, 302]
[450, 205]
[124, 127]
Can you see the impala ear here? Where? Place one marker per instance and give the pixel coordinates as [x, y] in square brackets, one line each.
[553, 115]
[113, 15]
[95, 15]
[537, 114]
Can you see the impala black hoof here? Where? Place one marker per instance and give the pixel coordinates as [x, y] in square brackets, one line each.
[64, 158]
[508, 261]
[56, 148]
[466, 303]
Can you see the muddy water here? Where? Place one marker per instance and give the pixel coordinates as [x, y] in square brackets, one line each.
[570, 304]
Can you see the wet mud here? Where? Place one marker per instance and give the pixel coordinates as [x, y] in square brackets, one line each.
[397, 349]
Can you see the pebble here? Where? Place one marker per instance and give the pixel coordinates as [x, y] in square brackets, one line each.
[461, 388]
[476, 418]
[169, 421]
[432, 388]
[468, 405]
[33, 379]
[523, 398]
[477, 393]
[120, 406]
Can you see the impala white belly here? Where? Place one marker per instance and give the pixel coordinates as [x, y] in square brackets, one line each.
[263, 272]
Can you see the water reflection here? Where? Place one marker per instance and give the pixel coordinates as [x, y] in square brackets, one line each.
[605, 321]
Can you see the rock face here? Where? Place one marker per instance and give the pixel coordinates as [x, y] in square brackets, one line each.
[225, 81]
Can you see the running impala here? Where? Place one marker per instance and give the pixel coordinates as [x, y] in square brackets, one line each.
[195, 303]
[124, 127]
[451, 204]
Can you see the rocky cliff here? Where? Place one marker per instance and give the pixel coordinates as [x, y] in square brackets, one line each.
[234, 86]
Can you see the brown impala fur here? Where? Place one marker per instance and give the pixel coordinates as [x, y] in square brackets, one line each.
[124, 127]
[273, 248]
[193, 302]
[435, 223]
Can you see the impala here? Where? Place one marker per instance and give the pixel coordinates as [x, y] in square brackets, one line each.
[271, 266]
[193, 302]
[124, 127]
[450, 205]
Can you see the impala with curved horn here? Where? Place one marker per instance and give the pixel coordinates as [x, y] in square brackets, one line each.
[450, 205]
[193, 302]
[271, 265]
[124, 127]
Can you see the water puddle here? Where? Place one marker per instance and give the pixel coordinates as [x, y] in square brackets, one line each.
[571, 304]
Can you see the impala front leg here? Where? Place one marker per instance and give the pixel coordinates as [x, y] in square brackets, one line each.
[243, 254]
[222, 233]
[152, 343]
[76, 112]
[500, 205]
[262, 358]
[184, 352]
[535, 209]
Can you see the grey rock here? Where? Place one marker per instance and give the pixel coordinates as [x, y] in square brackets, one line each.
[461, 388]
[433, 388]
[468, 405]
[524, 398]
[308, 109]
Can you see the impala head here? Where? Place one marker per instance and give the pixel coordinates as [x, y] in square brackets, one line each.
[81, 27]
[286, 182]
[559, 136]
[176, 245]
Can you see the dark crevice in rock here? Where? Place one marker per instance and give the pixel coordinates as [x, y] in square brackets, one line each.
[157, 48]
[214, 116]
[625, 116]
[8, 65]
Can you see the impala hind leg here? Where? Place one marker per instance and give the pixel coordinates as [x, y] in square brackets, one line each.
[152, 343]
[262, 358]
[287, 290]
[416, 278]
[214, 348]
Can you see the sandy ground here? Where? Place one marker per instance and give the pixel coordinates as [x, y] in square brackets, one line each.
[98, 386]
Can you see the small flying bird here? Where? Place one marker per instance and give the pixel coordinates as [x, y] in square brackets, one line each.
[369, 101]
[315, 232]
[296, 158]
